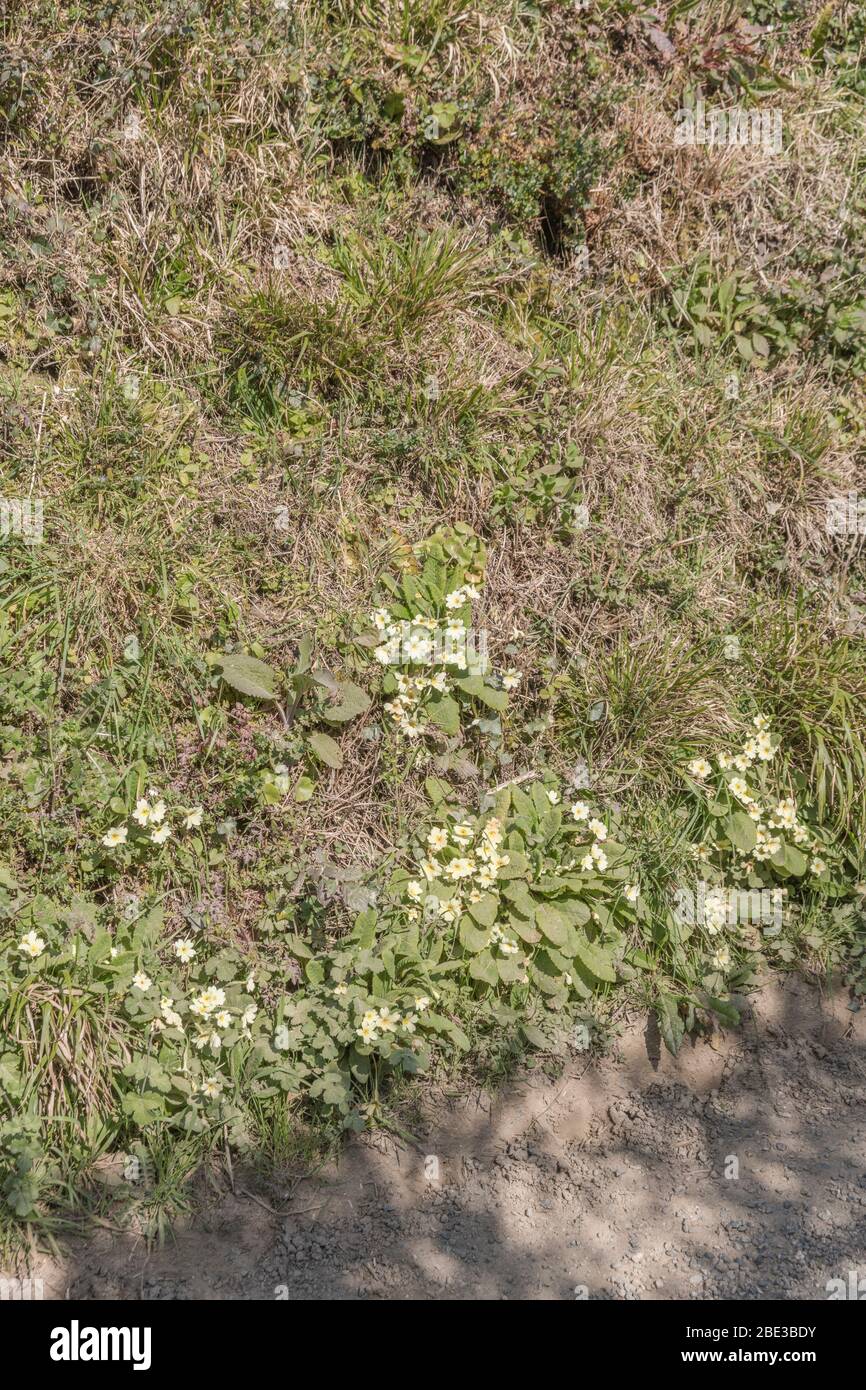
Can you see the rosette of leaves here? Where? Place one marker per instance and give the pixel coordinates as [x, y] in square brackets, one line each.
[306, 695]
[377, 963]
[569, 923]
[727, 827]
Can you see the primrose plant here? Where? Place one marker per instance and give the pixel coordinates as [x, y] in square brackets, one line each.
[525, 900]
[438, 676]
[765, 857]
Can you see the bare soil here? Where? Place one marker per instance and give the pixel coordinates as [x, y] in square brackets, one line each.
[735, 1171]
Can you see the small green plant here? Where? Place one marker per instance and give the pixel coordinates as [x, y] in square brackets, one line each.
[768, 864]
[438, 673]
[337, 703]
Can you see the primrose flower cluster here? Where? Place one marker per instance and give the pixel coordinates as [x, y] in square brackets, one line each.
[384, 1021]
[434, 652]
[775, 819]
[468, 861]
[150, 823]
[596, 857]
[206, 1020]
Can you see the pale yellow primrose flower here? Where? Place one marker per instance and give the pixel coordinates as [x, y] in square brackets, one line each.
[460, 868]
[205, 1003]
[32, 945]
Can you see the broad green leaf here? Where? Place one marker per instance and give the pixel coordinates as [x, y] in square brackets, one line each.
[510, 969]
[248, 675]
[740, 830]
[483, 967]
[551, 924]
[487, 694]
[523, 929]
[437, 790]
[304, 789]
[470, 937]
[575, 910]
[351, 702]
[325, 748]
[517, 866]
[484, 911]
[791, 859]
[143, 1109]
[445, 713]
[517, 893]
[595, 959]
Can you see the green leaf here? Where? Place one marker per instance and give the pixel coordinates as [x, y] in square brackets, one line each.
[517, 893]
[143, 1109]
[671, 1025]
[509, 968]
[791, 859]
[148, 1069]
[470, 937]
[364, 929]
[595, 959]
[487, 694]
[325, 748]
[483, 967]
[445, 713]
[352, 702]
[523, 929]
[517, 866]
[437, 790]
[575, 910]
[725, 1010]
[304, 789]
[551, 924]
[248, 675]
[485, 911]
[740, 830]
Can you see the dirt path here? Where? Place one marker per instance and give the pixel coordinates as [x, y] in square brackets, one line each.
[737, 1171]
